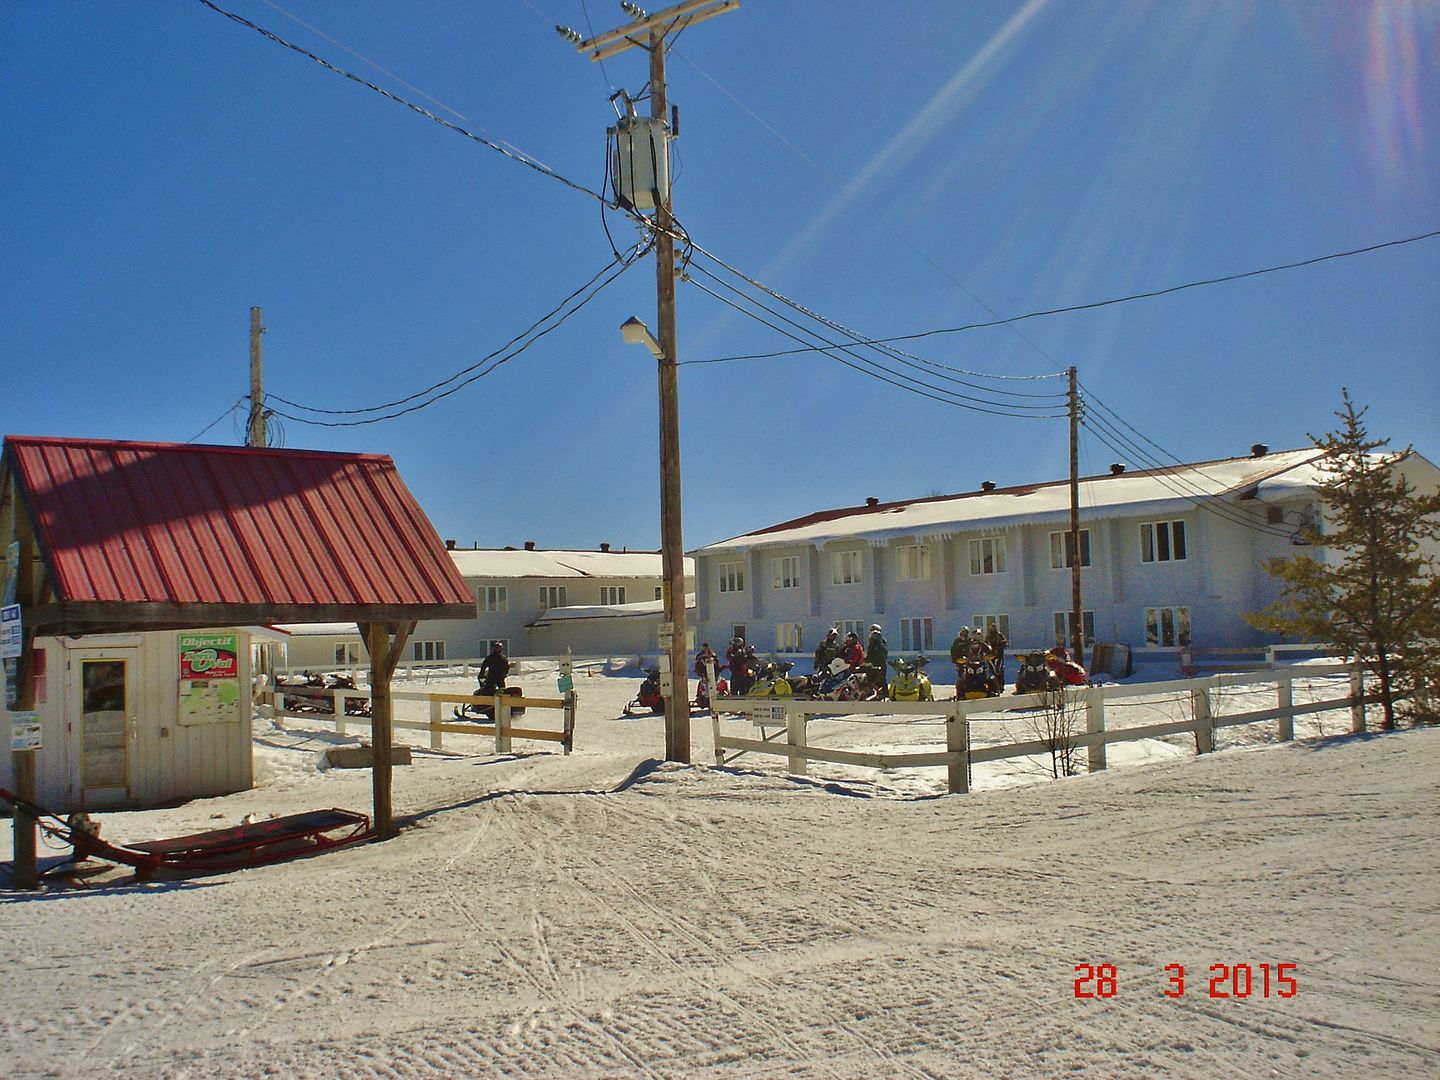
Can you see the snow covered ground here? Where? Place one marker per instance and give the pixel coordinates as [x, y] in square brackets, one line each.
[605, 915]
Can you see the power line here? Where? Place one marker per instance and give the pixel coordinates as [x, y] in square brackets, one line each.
[1098, 303]
[513, 153]
[238, 402]
[505, 354]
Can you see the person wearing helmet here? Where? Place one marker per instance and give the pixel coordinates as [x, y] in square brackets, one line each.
[827, 650]
[852, 652]
[493, 670]
[877, 655]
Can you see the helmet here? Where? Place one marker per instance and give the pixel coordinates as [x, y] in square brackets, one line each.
[1060, 652]
[834, 632]
[875, 628]
[852, 636]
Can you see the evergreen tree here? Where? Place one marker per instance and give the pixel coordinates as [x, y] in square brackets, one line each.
[1377, 598]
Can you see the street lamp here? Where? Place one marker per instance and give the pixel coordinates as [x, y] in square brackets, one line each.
[674, 669]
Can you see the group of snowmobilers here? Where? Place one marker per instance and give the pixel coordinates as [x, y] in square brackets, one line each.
[979, 661]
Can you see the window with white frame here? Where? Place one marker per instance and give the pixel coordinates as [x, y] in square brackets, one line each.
[732, 576]
[551, 596]
[427, 650]
[612, 594]
[1162, 541]
[987, 556]
[493, 598]
[347, 652]
[984, 623]
[785, 572]
[851, 626]
[1167, 627]
[912, 562]
[845, 568]
[737, 630]
[917, 634]
[1062, 549]
[788, 637]
[1064, 627]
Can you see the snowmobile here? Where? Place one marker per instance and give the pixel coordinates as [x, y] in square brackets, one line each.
[649, 698]
[1035, 676]
[353, 706]
[702, 691]
[849, 684]
[978, 677]
[910, 682]
[485, 713]
[775, 680]
[1064, 669]
[302, 693]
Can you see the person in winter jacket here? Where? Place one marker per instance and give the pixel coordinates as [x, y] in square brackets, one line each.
[877, 655]
[706, 655]
[1063, 668]
[493, 670]
[852, 652]
[826, 651]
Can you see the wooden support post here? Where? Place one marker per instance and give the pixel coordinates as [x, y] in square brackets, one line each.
[795, 739]
[957, 741]
[1095, 725]
[715, 734]
[337, 706]
[1357, 699]
[570, 703]
[502, 723]
[436, 719]
[1285, 694]
[1204, 722]
[385, 642]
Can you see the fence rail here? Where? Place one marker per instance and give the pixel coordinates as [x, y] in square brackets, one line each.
[1083, 705]
[502, 707]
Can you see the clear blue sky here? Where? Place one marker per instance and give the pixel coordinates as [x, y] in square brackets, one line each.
[897, 168]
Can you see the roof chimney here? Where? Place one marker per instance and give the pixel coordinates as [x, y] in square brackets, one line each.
[1117, 467]
[987, 485]
[604, 547]
[449, 545]
[871, 500]
[1259, 449]
[529, 545]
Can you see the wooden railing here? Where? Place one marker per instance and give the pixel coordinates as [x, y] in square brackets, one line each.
[1086, 705]
[501, 727]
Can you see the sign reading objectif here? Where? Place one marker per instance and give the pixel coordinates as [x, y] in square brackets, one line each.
[209, 656]
[24, 731]
[12, 640]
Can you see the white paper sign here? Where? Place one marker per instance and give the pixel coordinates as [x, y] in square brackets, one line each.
[24, 731]
[11, 638]
[768, 713]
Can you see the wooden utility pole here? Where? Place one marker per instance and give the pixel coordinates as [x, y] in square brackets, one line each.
[650, 32]
[1077, 613]
[255, 435]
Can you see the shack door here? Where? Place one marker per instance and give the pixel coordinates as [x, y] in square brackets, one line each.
[103, 728]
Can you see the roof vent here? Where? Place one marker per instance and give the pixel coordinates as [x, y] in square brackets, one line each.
[1117, 467]
[604, 547]
[872, 501]
[987, 485]
[449, 545]
[529, 545]
[1259, 449]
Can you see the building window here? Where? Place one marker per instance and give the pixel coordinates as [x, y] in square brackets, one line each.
[845, 568]
[737, 630]
[787, 637]
[917, 634]
[612, 594]
[551, 596]
[427, 650]
[659, 592]
[1065, 626]
[732, 576]
[1062, 550]
[987, 556]
[347, 653]
[786, 571]
[851, 626]
[494, 598]
[1167, 627]
[1162, 541]
[912, 562]
[984, 623]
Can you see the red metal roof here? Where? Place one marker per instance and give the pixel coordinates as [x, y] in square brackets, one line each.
[166, 524]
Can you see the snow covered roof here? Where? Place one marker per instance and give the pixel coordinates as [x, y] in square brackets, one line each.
[639, 609]
[520, 563]
[1172, 490]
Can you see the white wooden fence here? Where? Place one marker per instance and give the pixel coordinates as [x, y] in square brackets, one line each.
[502, 707]
[790, 717]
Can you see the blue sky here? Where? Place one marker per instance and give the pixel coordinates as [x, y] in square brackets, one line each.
[896, 168]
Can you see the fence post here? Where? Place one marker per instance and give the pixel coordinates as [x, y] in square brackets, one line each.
[1285, 694]
[435, 722]
[957, 741]
[1095, 725]
[795, 738]
[502, 724]
[337, 704]
[569, 741]
[1357, 699]
[1204, 727]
